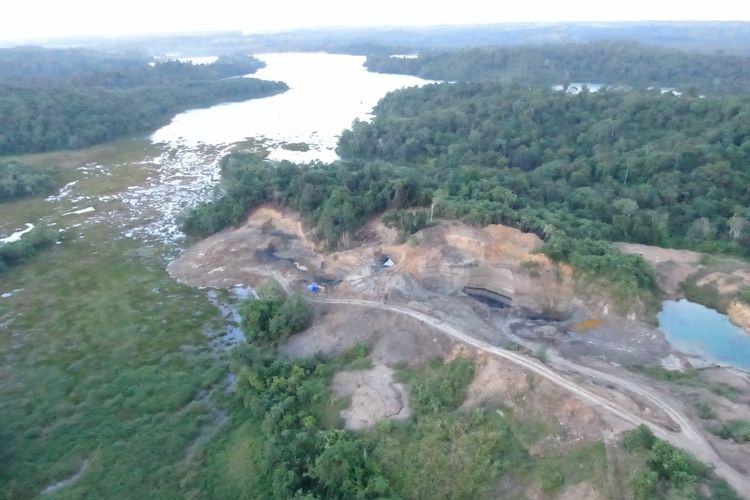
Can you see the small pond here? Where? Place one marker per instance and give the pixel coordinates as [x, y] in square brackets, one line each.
[696, 329]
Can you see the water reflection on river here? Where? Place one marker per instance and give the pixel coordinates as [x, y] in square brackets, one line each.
[327, 92]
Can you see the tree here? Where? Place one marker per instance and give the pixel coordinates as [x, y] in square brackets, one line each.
[737, 226]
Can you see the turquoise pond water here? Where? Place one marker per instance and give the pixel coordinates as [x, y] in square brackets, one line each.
[696, 329]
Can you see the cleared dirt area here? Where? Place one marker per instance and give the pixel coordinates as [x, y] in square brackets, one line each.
[391, 339]
[375, 395]
[483, 289]
[672, 267]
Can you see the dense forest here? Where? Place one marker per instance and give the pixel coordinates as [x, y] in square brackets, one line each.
[68, 99]
[631, 166]
[611, 63]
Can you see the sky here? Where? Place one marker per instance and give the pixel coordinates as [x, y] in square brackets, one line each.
[39, 19]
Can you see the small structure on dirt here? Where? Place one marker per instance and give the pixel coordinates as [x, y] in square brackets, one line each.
[386, 261]
[313, 288]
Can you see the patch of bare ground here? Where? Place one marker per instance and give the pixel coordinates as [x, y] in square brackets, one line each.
[392, 338]
[567, 420]
[374, 396]
[672, 267]
[722, 409]
[739, 313]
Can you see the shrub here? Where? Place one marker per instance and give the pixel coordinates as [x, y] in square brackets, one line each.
[736, 430]
[640, 438]
[443, 387]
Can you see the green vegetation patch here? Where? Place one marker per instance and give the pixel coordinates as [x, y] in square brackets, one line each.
[439, 386]
[19, 181]
[110, 366]
[273, 316]
[450, 456]
[670, 472]
[736, 430]
[17, 252]
[687, 377]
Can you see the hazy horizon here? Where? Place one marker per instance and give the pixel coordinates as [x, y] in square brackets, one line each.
[90, 19]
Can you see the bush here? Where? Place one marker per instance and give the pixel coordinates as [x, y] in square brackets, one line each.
[27, 247]
[644, 484]
[552, 481]
[18, 181]
[736, 430]
[675, 466]
[272, 316]
[407, 222]
[640, 438]
[704, 410]
[442, 387]
[629, 277]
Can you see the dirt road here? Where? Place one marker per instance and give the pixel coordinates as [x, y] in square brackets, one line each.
[688, 437]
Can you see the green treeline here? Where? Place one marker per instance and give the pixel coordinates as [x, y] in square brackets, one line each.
[611, 63]
[334, 198]
[18, 180]
[72, 99]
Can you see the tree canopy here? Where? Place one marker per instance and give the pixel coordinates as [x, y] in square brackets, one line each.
[606, 62]
[67, 99]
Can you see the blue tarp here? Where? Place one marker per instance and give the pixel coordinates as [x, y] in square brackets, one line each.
[313, 288]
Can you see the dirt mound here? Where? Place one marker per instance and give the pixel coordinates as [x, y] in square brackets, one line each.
[444, 258]
[375, 396]
[739, 313]
[726, 283]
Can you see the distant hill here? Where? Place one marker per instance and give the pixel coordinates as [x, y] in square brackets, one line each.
[728, 37]
[613, 63]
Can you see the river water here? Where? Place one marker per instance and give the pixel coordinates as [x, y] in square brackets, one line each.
[326, 93]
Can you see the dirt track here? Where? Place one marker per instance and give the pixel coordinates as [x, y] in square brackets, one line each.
[239, 256]
[687, 437]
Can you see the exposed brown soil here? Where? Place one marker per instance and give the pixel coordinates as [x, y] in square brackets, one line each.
[739, 313]
[672, 267]
[426, 287]
[498, 382]
[375, 396]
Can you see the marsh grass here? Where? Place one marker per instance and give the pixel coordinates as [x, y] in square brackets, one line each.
[103, 358]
